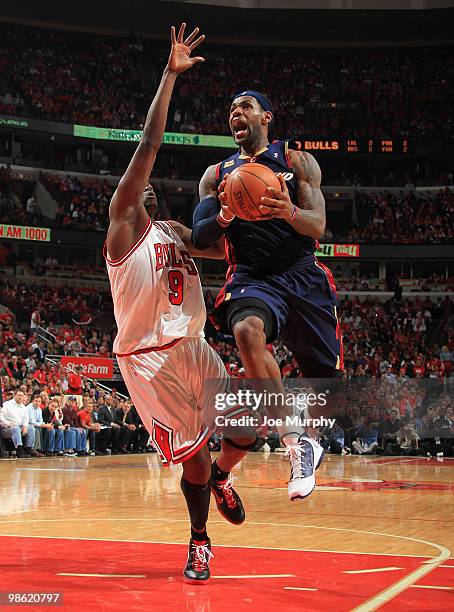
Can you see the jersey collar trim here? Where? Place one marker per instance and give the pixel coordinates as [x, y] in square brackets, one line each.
[254, 156]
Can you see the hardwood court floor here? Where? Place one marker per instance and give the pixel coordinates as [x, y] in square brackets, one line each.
[111, 534]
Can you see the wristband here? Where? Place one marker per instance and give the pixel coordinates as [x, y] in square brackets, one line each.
[293, 215]
[223, 221]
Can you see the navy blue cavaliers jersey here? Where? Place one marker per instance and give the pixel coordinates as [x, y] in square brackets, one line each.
[265, 246]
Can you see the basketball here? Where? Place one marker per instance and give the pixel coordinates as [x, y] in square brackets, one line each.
[245, 186]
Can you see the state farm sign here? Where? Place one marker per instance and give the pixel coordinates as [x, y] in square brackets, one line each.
[93, 367]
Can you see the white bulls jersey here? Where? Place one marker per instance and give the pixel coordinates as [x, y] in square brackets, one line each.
[156, 291]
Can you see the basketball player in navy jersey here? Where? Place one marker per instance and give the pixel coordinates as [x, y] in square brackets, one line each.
[163, 356]
[275, 285]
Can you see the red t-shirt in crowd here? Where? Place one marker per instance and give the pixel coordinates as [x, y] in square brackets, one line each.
[40, 376]
[75, 384]
[84, 417]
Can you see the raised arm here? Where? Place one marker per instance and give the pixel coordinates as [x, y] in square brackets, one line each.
[127, 213]
[308, 218]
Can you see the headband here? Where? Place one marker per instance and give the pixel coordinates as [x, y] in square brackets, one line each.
[264, 102]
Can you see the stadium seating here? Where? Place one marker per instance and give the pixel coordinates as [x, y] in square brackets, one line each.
[106, 82]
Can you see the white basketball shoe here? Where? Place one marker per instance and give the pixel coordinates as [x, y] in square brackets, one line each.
[305, 457]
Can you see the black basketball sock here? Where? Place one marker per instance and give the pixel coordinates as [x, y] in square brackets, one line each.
[198, 502]
[217, 473]
[199, 537]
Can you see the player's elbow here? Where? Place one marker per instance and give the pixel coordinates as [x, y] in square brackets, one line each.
[149, 145]
[199, 239]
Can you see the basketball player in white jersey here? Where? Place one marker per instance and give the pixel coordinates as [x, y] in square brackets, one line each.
[160, 314]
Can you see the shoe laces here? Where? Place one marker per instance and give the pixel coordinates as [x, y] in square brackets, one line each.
[202, 556]
[301, 461]
[228, 491]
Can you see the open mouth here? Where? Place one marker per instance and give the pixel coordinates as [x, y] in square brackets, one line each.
[239, 127]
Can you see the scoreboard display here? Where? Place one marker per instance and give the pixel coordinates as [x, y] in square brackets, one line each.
[356, 145]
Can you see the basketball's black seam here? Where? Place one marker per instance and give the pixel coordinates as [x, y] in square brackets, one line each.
[256, 176]
[249, 195]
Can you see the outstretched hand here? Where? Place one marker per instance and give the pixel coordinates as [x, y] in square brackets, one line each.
[180, 58]
[276, 204]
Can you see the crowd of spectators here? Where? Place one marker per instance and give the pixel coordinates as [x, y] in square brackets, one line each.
[404, 219]
[76, 78]
[386, 344]
[370, 283]
[13, 211]
[61, 304]
[103, 81]
[400, 92]
[393, 416]
[95, 422]
[390, 338]
[382, 217]
[58, 410]
[82, 204]
[203, 98]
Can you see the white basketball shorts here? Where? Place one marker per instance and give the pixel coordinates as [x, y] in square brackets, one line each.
[173, 389]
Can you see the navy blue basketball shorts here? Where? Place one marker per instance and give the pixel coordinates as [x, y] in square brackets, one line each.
[298, 305]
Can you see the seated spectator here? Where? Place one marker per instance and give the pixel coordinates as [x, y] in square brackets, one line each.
[443, 432]
[333, 439]
[54, 440]
[107, 416]
[70, 435]
[86, 422]
[15, 424]
[36, 420]
[70, 410]
[128, 420]
[408, 438]
[391, 428]
[365, 442]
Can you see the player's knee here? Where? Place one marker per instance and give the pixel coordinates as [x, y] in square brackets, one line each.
[197, 469]
[245, 442]
[249, 334]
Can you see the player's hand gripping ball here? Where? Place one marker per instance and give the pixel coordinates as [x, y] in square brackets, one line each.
[244, 189]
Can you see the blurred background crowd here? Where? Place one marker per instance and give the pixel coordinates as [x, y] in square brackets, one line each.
[78, 78]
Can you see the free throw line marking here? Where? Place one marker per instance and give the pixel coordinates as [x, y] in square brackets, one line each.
[429, 586]
[260, 576]
[299, 589]
[102, 575]
[371, 571]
